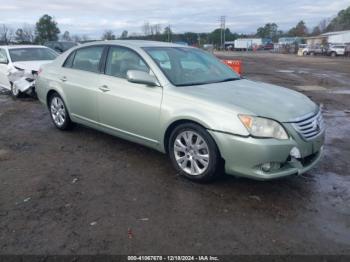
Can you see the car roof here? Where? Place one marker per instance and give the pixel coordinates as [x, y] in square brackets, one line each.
[22, 46]
[133, 43]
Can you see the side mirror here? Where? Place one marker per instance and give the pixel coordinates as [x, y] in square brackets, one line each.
[141, 77]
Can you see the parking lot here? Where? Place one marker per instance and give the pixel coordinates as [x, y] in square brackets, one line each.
[85, 192]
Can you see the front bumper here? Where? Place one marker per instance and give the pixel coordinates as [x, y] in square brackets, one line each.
[244, 155]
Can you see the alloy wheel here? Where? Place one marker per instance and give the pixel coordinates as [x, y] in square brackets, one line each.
[58, 111]
[191, 153]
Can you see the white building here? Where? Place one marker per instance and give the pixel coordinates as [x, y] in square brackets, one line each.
[339, 37]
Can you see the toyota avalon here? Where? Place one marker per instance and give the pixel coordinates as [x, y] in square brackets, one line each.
[184, 102]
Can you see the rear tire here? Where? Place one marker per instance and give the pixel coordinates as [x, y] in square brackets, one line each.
[193, 153]
[59, 113]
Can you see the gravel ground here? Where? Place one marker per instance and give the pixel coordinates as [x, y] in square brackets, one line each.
[85, 192]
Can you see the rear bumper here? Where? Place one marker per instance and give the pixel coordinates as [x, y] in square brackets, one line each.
[244, 155]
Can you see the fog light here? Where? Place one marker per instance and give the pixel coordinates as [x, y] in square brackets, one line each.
[295, 152]
[266, 167]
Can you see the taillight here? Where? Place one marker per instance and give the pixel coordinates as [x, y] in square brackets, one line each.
[40, 70]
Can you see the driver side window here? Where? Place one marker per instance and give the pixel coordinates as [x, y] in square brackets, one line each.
[120, 60]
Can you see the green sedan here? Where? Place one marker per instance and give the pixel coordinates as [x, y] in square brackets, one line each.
[184, 102]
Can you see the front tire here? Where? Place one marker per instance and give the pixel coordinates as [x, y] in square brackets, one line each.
[59, 113]
[193, 153]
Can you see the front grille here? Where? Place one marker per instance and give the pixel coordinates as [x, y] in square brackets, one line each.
[309, 127]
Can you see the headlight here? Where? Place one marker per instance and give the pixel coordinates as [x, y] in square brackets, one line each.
[263, 127]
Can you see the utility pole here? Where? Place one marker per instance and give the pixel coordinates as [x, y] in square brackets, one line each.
[169, 33]
[222, 31]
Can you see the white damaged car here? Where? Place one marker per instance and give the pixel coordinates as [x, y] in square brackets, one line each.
[19, 65]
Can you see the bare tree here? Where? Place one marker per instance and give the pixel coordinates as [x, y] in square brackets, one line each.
[84, 38]
[25, 34]
[323, 25]
[146, 28]
[108, 35]
[157, 28]
[76, 38]
[29, 32]
[6, 34]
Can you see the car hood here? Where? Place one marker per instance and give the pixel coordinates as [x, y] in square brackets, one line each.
[31, 65]
[261, 99]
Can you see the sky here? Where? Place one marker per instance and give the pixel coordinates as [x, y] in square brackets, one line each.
[93, 17]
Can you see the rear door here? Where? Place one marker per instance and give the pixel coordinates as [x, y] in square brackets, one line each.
[80, 76]
[4, 81]
[129, 109]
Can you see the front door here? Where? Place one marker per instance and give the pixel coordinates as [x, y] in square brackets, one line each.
[130, 109]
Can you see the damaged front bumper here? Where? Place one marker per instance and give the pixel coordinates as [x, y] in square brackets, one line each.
[246, 156]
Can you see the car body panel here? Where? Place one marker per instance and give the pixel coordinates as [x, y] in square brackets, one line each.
[243, 156]
[143, 114]
[132, 101]
[266, 100]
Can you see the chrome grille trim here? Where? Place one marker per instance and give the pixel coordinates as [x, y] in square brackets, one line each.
[309, 127]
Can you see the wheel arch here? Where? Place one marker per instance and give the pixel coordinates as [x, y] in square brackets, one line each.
[176, 123]
[50, 93]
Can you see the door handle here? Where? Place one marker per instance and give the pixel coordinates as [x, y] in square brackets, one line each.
[63, 79]
[104, 88]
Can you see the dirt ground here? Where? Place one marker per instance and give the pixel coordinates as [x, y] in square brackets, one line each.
[85, 192]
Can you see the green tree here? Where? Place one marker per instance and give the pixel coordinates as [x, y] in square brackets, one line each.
[167, 33]
[6, 34]
[46, 30]
[66, 36]
[341, 21]
[215, 36]
[299, 30]
[124, 34]
[108, 35]
[270, 30]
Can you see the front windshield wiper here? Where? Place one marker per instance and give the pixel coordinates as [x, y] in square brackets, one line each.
[210, 82]
[229, 79]
[194, 84]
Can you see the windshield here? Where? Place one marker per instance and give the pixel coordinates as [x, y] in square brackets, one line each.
[190, 66]
[31, 54]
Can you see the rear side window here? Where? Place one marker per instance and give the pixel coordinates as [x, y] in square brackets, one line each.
[120, 60]
[88, 58]
[69, 60]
